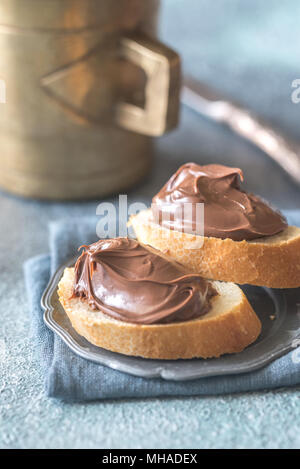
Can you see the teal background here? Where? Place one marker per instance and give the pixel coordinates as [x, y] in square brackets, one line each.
[250, 50]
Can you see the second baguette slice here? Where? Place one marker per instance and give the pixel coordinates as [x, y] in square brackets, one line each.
[271, 262]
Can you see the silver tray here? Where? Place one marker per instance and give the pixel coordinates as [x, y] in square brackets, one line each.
[278, 310]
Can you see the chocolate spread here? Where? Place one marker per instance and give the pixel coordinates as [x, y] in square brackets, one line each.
[229, 212]
[128, 282]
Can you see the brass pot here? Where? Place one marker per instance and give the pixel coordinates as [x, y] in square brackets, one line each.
[87, 86]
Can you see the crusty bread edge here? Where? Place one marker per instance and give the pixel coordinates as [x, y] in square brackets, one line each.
[203, 337]
[263, 263]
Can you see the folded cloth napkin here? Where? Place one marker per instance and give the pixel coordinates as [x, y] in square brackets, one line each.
[72, 378]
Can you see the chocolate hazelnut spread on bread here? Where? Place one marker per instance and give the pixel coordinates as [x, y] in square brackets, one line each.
[132, 283]
[229, 211]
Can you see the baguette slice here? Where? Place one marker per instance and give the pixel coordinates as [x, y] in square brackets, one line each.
[271, 262]
[228, 327]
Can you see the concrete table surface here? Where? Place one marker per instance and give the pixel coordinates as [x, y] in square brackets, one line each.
[242, 49]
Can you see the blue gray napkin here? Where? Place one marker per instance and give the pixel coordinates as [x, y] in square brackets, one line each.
[71, 378]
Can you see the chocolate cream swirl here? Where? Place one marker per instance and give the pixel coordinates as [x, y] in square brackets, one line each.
[229, 212]
[128, 282]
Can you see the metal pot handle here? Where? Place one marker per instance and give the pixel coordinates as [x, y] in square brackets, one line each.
[162, 68]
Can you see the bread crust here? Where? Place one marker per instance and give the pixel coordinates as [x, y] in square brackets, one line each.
[229, 327]
[272, 262]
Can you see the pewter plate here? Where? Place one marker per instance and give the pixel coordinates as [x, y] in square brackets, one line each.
[278, 310]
